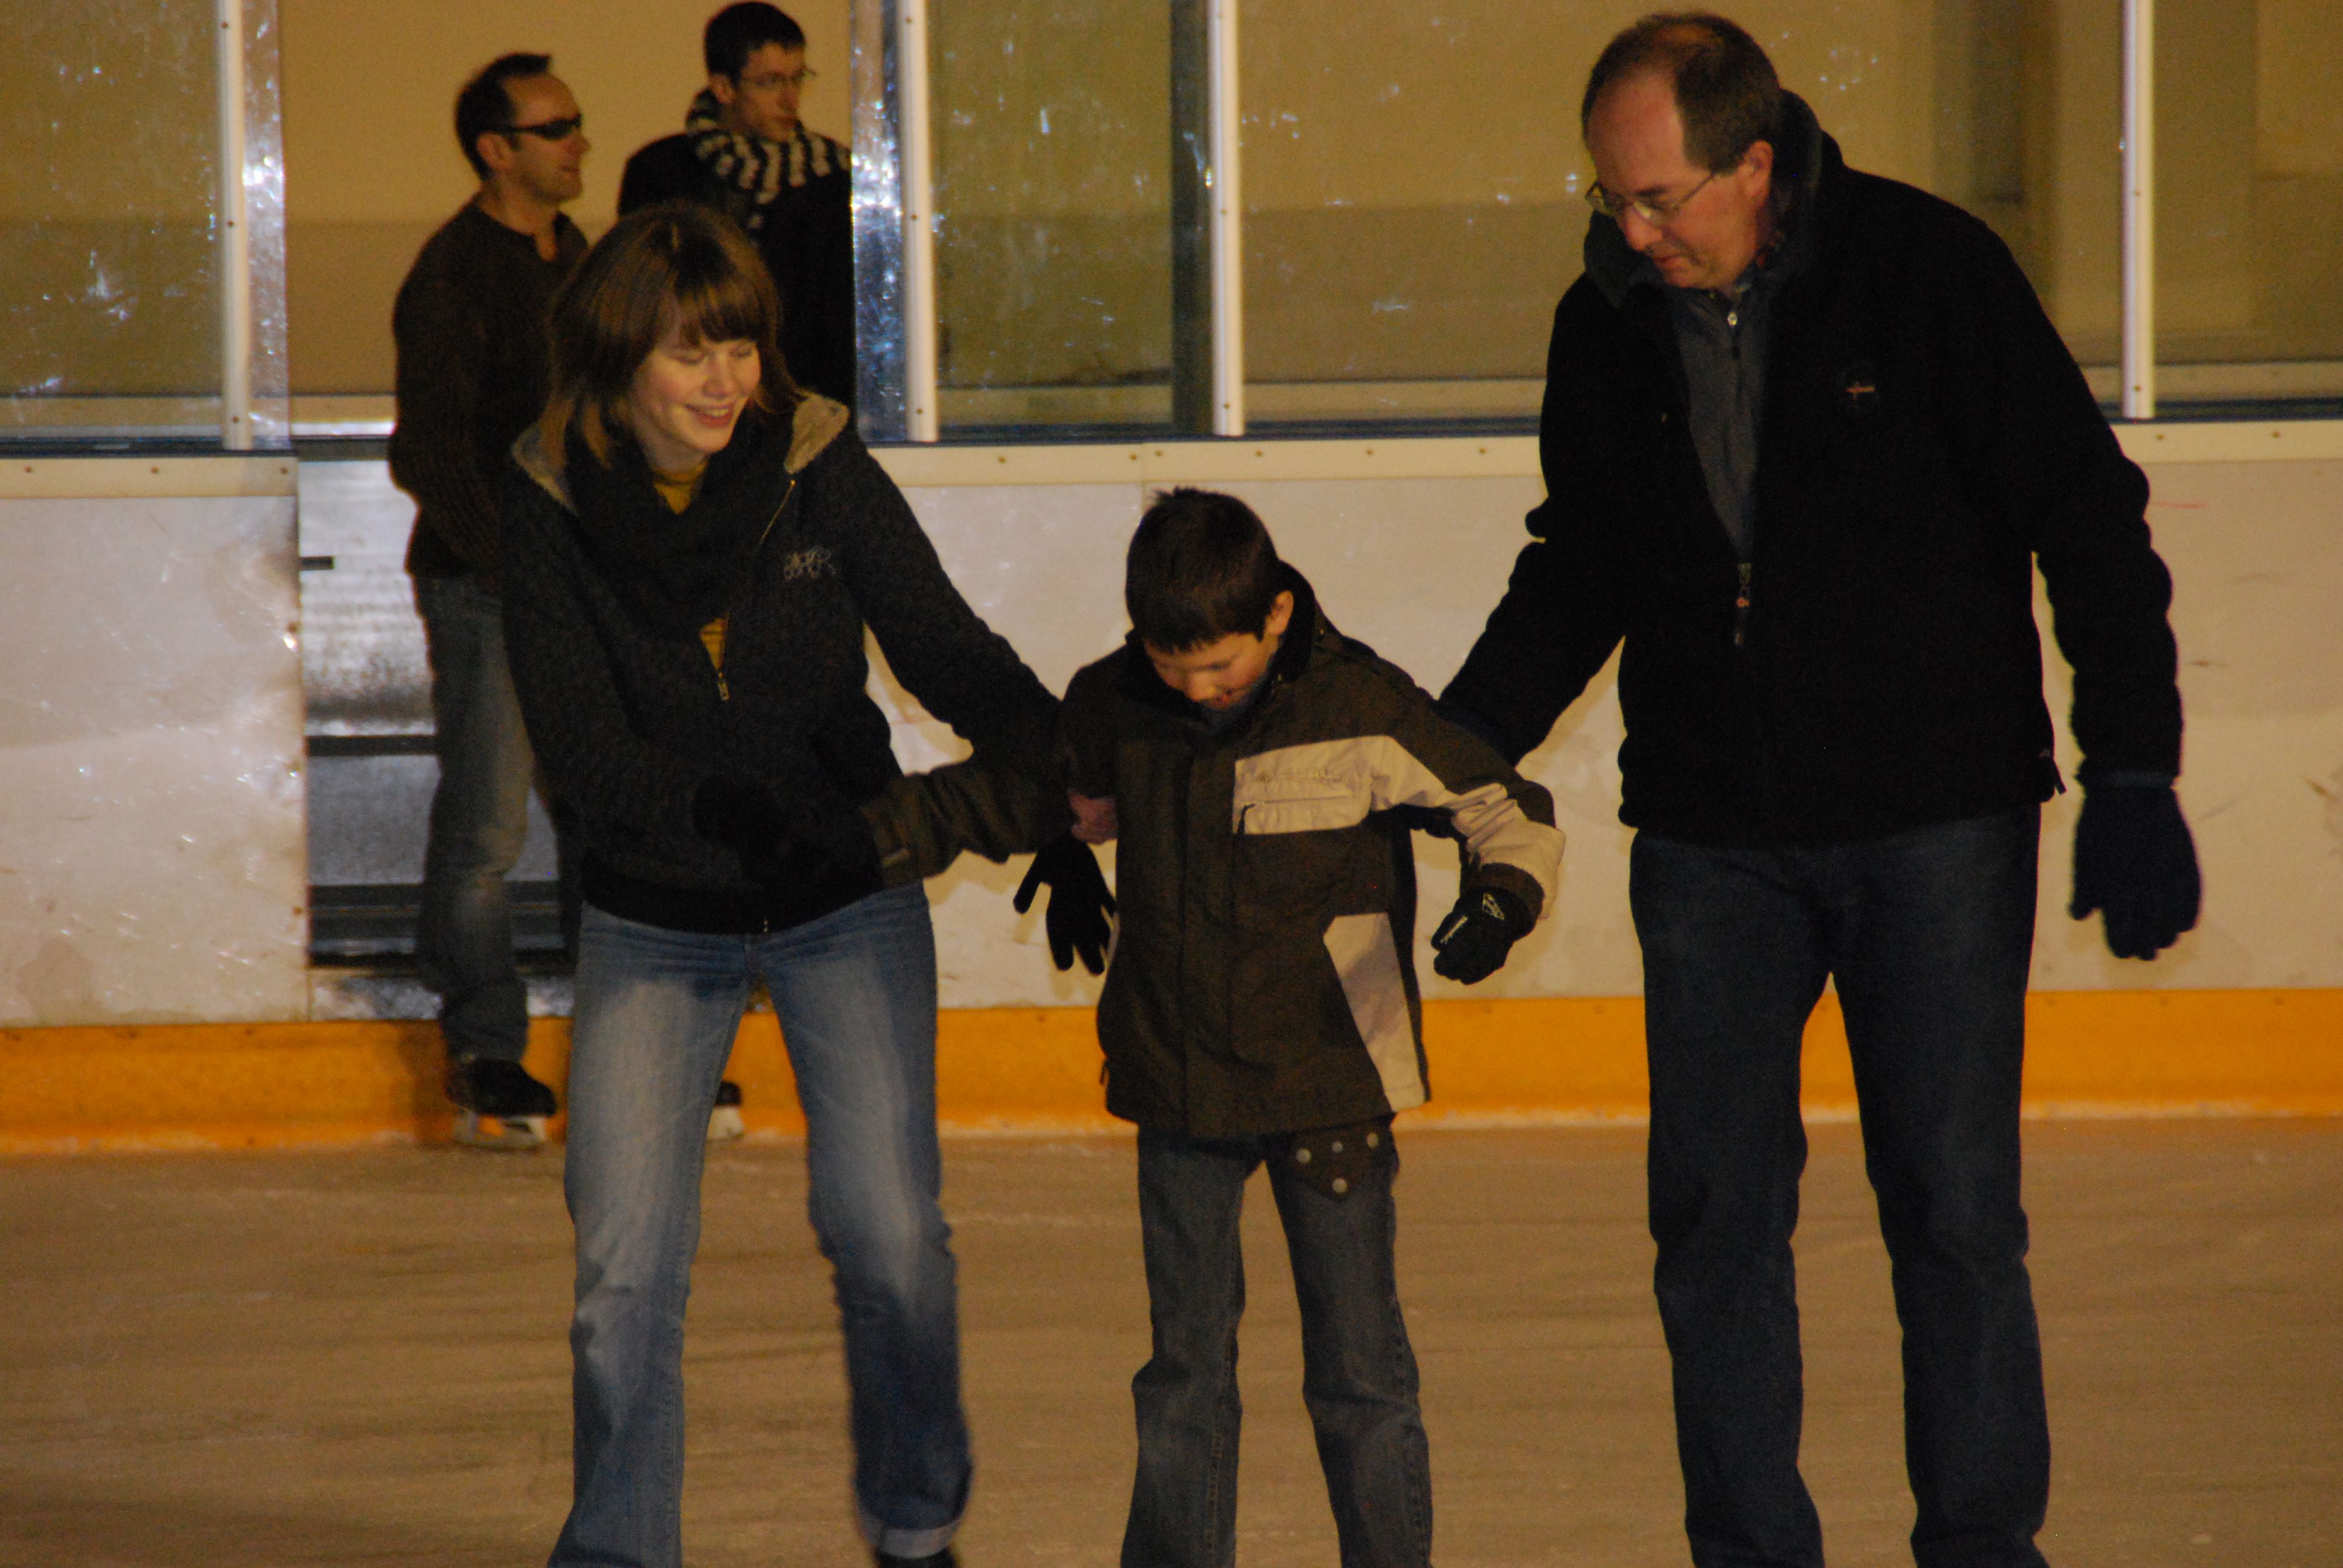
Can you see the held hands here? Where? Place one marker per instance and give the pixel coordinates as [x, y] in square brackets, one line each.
[1095, 818]
[812, 838]
[1080, 903]
[2134, 861]
[1477, 934]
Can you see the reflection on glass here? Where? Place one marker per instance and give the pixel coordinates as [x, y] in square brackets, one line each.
[2249, 189]
[1412, 175]
[1053, 136]
[109, 122]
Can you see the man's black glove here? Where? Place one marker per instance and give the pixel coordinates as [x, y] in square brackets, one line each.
[816, 839]
[1478, 933]
[1080, 904]
[2133, 859]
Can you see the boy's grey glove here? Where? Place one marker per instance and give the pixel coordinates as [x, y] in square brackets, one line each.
[1478, 933]
[1080, 904]
[815, 838]
[2134, 861]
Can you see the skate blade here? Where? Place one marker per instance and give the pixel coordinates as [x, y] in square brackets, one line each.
[724, 1124]
[475, 1131]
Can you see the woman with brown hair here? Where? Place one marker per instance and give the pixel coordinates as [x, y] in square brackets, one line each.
[693, 550]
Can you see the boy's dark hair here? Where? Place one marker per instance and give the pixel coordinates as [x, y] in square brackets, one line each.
[738, 31]
[1202, 567]
[1727, 92]
[485, 106]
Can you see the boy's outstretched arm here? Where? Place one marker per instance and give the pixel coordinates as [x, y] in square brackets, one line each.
[921, 823]
[1511, 849]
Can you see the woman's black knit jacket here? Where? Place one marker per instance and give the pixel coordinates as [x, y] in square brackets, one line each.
[628, 719]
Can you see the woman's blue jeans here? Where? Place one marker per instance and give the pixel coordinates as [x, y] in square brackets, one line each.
[656, 1015]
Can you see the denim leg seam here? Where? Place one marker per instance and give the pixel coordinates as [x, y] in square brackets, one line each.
[1218, 1550]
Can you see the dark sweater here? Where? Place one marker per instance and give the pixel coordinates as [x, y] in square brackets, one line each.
[470, 326]
[1926, 440]
[806, 235]
[628, 720]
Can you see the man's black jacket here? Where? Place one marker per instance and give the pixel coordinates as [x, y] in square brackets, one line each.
[807, 239]
[1925, 439]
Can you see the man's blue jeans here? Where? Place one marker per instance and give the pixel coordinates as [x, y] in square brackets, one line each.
[480, 821]
[656, 1015]
[1358, 1378]
[1928, 936]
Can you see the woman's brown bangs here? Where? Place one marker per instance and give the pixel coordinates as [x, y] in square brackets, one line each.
[722, 301]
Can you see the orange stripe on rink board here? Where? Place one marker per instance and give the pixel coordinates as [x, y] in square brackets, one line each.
[1036, 1069]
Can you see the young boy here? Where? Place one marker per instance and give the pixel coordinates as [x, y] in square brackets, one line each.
[1261, 1006]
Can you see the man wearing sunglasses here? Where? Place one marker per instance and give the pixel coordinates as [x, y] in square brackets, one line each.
[744, 151]
[1807, 434]
[469, 330]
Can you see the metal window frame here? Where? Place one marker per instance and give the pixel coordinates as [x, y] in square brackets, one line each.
[2139, 210]
[235, 238]
[255, 403]
[895, 230]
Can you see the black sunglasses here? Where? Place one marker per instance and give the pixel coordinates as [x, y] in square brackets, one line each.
[549, 130]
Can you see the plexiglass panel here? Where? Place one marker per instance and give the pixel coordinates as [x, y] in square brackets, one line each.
[1052, 142]
[111, 253]
[2249, 205]
[1412, 175]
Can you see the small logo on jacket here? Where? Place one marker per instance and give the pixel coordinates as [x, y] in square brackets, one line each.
[813, 561]
[1859, 384]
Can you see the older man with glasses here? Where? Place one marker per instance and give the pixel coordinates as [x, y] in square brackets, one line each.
[1807, 433]
[744, 151]
[469, 327]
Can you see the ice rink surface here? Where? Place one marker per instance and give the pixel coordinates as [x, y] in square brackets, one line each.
[296, 1360]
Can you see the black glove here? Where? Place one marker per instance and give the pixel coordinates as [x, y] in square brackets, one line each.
[2133, 859]
[816, 838]
[1478, 933]
[1080, 903]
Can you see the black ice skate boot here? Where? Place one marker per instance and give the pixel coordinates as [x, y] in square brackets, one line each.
[724, 1122]
[498, 1105]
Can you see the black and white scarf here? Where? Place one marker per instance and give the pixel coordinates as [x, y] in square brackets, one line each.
[757, 167]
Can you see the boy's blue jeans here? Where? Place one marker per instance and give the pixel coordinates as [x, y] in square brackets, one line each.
[1928, 935]
[1358, 1381]
[656, 1014]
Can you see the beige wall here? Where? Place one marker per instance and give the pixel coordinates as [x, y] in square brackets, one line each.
[371, 162]
[1410, 172]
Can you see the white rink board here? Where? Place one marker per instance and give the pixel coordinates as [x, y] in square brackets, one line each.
[1412, 565]
[151, 829]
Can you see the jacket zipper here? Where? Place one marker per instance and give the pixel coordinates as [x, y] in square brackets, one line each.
[724, 687]
[1741, 607]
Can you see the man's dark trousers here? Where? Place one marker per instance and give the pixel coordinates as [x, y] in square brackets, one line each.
[1928, 936]
[480, 823]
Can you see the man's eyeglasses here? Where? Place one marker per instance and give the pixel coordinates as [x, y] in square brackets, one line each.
[1650, 209]
[766, 81]
[549, 130]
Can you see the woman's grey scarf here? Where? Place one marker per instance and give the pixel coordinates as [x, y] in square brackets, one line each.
[757, 167]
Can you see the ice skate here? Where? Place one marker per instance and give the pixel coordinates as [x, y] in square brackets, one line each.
[497, 1104]
[724, 1123]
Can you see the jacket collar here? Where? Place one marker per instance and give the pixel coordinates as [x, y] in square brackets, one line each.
[816, 422]
[1308, 636]
[1804, 201]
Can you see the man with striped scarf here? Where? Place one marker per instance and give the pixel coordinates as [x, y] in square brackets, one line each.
[744, 152]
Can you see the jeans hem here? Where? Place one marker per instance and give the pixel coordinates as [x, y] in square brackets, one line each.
[894, 1543]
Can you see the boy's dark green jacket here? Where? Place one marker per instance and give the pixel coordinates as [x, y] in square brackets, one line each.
[1261, 979]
